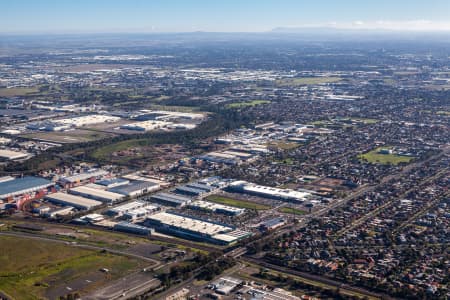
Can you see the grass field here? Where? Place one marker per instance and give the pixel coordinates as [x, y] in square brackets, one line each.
[247, 104]
[376, 158]
[290, 210]
[4, 92]
[30, 268]
[236, 203]
[104, 152]
[307, 81]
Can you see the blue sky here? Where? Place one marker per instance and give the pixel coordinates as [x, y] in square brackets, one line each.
[59, 16]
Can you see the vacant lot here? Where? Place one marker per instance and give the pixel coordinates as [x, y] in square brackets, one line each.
[375, 157]
[307, 81]
[237, 203]
[33, 269]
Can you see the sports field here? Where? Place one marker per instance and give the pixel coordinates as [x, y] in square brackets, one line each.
[375, 157]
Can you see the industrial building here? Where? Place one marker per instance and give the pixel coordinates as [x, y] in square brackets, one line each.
[89, 219]
[146, 125]
[78, 202]
[269, 192]
[118, 211]
[135, 188]
[218, 157]
[133, 228]
[217, 208]
[86, 177]
[188, 191]
[169, 199]
[272, 224]
[145, 115]
[140, 213]
[59, 212]
[225, 285]
[110, 183]
[11, 187]
[194, 228]
[12, 155]
[96, 194]
[87, 120]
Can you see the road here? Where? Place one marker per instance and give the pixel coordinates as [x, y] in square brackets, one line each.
[317, 278]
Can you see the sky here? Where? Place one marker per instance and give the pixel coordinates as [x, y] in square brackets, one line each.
[94, 16]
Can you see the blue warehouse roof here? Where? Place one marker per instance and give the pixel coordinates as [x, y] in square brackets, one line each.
[25, 184]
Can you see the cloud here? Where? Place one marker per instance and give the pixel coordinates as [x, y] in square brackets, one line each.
[408, 25]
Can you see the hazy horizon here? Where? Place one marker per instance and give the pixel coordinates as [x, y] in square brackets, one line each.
[175, 16]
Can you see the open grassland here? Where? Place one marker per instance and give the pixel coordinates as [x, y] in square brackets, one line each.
[236, 203]
[11, 92]
[31, 268]
[73, 136]
[106, 151]
[375, 157]
[247, 104]
[290, 210]
[307, 81]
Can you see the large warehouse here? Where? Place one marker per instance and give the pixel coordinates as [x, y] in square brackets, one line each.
[269, 192]
[72, 200]
[12, 187]
[96, 194]
[12, 155]
[216, 208]
[135, 188]
[196, 229]
[85, 177]
[169, 199]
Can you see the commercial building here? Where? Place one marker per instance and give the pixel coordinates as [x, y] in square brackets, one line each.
[11, 187]
[133, 228]
[217, 208]
[135, 188]
[96, 194]
[72, 200]
[269, 192]
[194, 228]
[169, 199]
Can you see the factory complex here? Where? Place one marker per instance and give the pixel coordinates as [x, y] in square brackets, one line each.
[217, 208]
[193, 228]
[132, 203]
[78, 202]
[269, 192]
